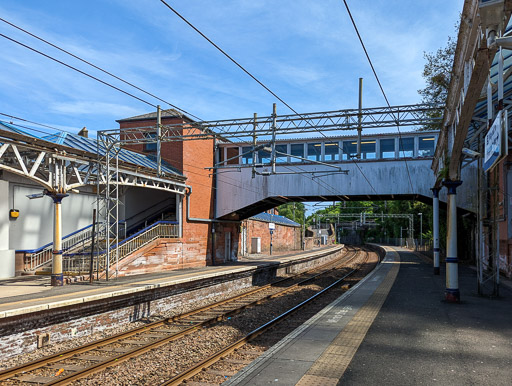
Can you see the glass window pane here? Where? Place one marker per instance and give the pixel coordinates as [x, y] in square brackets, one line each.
[368, 149]
[263, 156]
[247, 158]
[232, 152]
[150, 146]
[426, 146]
[349, 149]
[406, 147]
[332, 151]
[387, 148]
[298, 151]
[314, 151]
[280, 158]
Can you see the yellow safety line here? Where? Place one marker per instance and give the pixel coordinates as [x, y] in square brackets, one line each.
[330, 367]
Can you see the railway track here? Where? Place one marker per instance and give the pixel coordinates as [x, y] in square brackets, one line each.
[79, 363]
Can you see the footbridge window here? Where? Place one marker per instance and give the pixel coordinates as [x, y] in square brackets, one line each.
[247, 155]
[426, 146]
[387, 148]
[314, 151]
[264, 156]
[297, 150]
[406, 147]
[332, 151]
[349, 149]
[281, 150]
[368, 149]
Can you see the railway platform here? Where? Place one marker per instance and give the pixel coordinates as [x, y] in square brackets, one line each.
[28, 294]
[393, 328]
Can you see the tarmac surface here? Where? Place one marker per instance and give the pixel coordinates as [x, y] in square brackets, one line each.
[411, 337]
[25, 294]
[417, 338]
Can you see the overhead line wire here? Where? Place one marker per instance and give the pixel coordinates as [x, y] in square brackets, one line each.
[379, 83]
[97, 67]
[254, 78]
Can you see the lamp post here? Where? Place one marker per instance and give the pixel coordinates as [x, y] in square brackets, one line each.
[421, 228]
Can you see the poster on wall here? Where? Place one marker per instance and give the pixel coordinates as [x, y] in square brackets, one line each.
[494, 141]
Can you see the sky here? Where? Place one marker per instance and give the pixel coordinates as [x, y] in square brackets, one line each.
[305, 51]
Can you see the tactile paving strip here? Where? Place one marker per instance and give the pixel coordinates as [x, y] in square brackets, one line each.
[331, 365]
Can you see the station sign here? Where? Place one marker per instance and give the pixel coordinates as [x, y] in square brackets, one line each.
[496, 141]
[271, 226]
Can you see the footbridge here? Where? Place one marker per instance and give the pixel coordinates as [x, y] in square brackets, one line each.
[387, 167]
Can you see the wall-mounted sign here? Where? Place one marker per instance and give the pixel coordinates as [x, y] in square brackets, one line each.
[495, 140]
[271, 226]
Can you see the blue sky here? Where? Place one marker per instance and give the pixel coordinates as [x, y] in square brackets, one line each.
[305, 51]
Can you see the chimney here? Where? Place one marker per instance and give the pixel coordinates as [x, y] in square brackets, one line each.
[84, 132]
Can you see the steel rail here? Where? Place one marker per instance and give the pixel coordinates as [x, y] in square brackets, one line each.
[189, 373]
[39, 363]
[115, 360]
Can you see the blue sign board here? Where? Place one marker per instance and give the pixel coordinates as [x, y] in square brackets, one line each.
[494, 142]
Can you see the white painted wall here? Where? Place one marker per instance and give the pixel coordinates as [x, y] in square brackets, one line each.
[4, 215]
[34, 227]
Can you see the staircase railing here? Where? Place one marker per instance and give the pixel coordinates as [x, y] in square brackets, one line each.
[79, 262]
[35, 258]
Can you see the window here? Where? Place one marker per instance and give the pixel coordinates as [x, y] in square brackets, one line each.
[426, 146]
[349, 149]
[387, 148]
[314, 151]
[263, 156]
[368, 149]
[247, 155]
[332, 151]
[406, 146]
[151, 146]
[296, 150]
[280, 158]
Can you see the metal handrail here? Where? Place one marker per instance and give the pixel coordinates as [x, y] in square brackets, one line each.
[42, 255]
[77, 262]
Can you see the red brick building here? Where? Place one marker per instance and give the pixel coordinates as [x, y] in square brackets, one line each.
[200, 234]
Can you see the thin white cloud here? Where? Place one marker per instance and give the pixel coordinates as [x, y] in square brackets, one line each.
[93, 107]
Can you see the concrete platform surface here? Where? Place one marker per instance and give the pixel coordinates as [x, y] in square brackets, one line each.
[394, 328]
[26, 294]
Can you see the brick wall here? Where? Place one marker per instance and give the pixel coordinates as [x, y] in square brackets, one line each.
[284, 238]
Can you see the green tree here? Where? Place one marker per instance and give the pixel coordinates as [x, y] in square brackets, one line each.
[293, 210]
[437, 74]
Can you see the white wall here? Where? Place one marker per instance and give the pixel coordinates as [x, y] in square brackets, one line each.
[34, 226]
[4, 215]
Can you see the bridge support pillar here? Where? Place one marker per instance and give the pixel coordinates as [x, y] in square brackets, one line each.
[57, 278]
[452, 293]
[435, 194]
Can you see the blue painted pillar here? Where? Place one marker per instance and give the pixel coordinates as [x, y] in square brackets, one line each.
[435, 194]
[452, 293]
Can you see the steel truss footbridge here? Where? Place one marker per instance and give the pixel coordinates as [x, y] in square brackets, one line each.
[60, 169]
